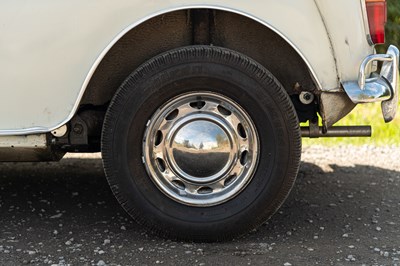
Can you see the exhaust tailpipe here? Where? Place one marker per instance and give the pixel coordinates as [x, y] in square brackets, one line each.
[338, 131]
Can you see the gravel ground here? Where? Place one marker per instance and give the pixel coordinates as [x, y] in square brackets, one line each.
[343, 210]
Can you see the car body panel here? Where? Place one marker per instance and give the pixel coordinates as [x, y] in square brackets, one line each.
[50, 49]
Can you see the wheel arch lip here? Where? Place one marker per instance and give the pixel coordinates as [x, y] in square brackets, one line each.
[188, 7]
[89, 75]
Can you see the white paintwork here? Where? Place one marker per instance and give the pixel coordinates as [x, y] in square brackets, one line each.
[60, 132]
[49, 49]
[350, 46]
[28, 141]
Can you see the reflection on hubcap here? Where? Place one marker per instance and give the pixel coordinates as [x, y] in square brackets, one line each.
[200, 149]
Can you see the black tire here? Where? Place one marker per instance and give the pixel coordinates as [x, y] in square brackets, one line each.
[227, 73]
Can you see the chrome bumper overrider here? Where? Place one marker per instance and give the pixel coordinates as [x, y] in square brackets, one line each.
[382, 87]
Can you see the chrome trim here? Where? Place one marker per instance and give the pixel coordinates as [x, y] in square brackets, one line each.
[381, 87]
[200, 149]
[390, 70]
[376, 90]
[34, 130]
[362, 79]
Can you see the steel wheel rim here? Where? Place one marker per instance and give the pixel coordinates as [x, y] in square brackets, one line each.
[200, 149]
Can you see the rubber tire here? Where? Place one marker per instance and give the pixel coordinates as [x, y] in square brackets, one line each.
[197, 68]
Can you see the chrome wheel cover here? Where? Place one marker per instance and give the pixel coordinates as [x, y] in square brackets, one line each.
[200, 149]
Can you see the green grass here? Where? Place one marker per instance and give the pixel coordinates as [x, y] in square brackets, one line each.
[365, 114]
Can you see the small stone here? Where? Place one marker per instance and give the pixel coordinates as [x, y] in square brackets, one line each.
[107, 241]
[351, 258]
[378, 228]
[101, 263]
[345, 235]
[56, 216]
[377, 249]
[140, 249]
[287, 264]
[123, 228]
[101, 252]
[351, 246]
[386, 254]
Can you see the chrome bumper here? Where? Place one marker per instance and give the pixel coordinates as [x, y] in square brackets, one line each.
[382, 87]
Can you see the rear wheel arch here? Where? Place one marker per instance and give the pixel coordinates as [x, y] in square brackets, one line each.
[176, 29]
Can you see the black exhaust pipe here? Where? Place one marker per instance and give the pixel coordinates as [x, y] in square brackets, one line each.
[338, 131]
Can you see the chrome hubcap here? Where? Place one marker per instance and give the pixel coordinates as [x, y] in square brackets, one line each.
[192, 147]
[200, 149]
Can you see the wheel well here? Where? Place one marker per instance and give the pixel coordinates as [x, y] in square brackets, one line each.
[201, 26]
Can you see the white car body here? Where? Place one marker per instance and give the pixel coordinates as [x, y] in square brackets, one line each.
[50, 49]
